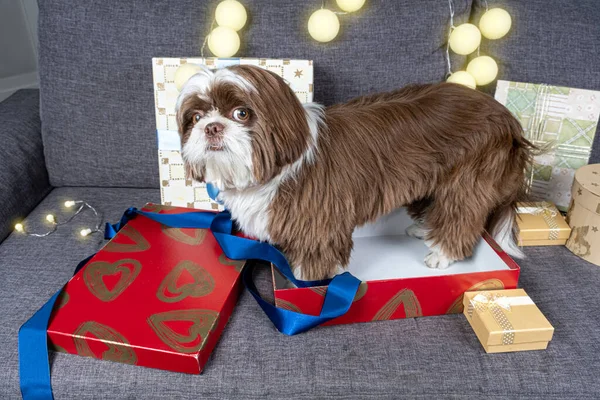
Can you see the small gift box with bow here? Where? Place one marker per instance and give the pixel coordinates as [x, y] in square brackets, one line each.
[541, 224]
[507, 320]
[153, 296]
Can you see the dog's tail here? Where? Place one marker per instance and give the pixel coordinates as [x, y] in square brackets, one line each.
[503, 228]
[502, 223]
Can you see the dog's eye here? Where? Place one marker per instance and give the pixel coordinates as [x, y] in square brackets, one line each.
[241, 114]
[197, 117]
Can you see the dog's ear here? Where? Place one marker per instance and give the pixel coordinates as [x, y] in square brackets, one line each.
[183, 116]
[196, 84]
[281, 133]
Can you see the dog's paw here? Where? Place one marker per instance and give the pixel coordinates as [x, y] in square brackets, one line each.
[437, 260]
[416, 230]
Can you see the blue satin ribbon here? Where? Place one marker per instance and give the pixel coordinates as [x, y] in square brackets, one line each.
[213, 192]
[33, 345]
[34, 365]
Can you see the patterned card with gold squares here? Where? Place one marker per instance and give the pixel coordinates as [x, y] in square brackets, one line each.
[561, 120]
[176, 190]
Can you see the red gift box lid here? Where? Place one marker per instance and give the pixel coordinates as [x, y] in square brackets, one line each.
[154, 296]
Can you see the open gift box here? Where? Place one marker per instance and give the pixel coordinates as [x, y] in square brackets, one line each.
[397, 283]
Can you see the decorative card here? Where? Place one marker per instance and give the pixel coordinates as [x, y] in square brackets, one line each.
[562, 119]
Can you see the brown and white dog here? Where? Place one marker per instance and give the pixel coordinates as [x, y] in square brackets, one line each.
[303, 177]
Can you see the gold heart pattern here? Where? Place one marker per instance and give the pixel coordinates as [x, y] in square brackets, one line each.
[158, 207]
[203, 283]
[62, 300]
[179, 235]
[139, 241]
[193, 337]
[118, 350]
[405, 297]
[238, 264]
[286, 305]
[362, 290]
[56, 348]
[95, 272]
[489, 284]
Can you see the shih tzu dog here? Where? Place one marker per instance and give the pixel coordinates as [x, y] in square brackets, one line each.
[302, 177]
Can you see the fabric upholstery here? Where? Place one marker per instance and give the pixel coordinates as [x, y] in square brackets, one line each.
[431, 357]
[96, 80]
[550, 41]
[23, 175]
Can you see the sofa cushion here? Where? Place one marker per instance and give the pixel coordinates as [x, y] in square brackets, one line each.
[23, 175]
[432, 357]
[96, 79]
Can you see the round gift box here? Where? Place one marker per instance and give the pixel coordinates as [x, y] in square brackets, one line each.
[584, 214]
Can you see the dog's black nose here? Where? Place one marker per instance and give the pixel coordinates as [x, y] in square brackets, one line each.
[213, 129]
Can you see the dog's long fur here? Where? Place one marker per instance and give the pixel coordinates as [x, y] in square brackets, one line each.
[303, 177]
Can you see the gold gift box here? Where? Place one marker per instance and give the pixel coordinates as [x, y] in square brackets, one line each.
[541, 224]
[507, 320]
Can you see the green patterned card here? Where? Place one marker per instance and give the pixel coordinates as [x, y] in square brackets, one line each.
[565, 120]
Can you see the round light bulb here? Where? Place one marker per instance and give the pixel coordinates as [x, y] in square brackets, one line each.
[350, 5]
[495, 23]
[484, 69]
[69, 203]
[223, 42]
[184, 73]
[231, 14]
[19, 227]
[462, 78]
[85, 232]
[465, 39]
[323, 25]
[50, 218]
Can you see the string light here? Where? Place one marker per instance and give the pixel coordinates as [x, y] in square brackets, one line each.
[350, 5]
[324, 24]
[19, 227]
[85, 232]
[223, 40]
[484, 69]
[495, 23]
[466, 39]
[184, 73]
[231, 14]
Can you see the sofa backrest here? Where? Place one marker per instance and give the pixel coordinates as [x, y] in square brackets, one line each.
[96, 81]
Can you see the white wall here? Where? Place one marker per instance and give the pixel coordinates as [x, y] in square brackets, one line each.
[18, 46]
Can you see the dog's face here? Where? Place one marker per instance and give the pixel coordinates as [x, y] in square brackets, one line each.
[239, 126]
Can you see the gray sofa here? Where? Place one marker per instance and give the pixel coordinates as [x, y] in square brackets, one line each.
[89, 134]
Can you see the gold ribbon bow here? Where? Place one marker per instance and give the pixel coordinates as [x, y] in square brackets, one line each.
[548, 212]
[496, 305]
